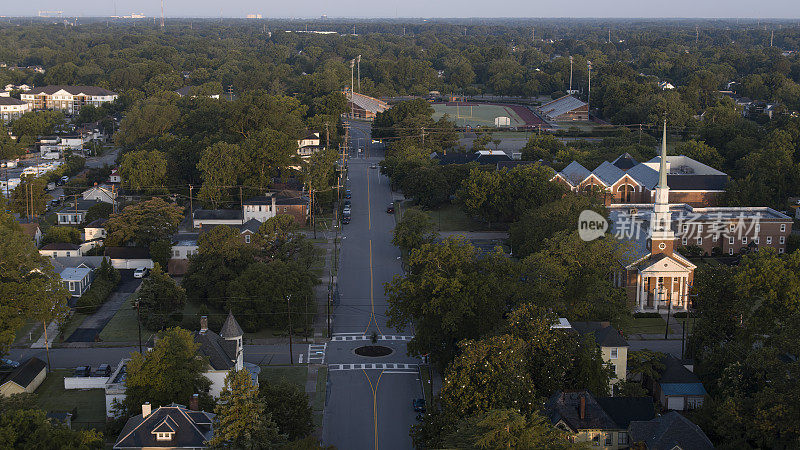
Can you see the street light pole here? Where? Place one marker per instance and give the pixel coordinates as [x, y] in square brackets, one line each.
[358, 61]
[289, 310]
[139, 322]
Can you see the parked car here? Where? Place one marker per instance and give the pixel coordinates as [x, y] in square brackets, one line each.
[374, 166]
[5, 362]
[347, 194]
[347, 203]
[419, 405]
[346, 217]
[390, 208]
[140, 272]
[83, 371]
[103, 370]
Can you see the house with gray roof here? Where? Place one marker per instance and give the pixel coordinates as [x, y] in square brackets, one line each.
[613, 345]
[173, 426]
[224, 351]
[672, 431]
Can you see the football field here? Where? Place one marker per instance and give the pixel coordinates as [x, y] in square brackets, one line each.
[471, 114]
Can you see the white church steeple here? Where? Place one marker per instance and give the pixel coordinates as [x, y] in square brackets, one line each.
[660, 224]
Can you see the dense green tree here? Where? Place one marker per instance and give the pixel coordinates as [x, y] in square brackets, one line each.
[147, 119]
[289, 407]
[144, 170]
[143, 223]
[29, 198]
[68, 235]
[37, 123]
[414, 229]
[241, 420]
[220, 167]
[169, 373]
[29, 287]
[506, 428]
[161, 301]
[10, 148]
[100, 210]
[23, 427]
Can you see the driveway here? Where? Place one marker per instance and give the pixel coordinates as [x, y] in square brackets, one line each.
[93, 325]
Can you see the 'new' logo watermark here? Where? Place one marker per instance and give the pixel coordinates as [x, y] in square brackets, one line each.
[591, 225]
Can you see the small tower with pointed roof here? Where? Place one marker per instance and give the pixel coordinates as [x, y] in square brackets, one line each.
[231, 331]
[662, 238]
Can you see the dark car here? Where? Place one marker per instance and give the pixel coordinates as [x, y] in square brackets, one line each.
[347, 203]
[347, 194]
[346, 219]
[390, 208]
[419, 405]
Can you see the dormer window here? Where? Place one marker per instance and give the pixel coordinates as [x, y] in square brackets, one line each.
[164, 436]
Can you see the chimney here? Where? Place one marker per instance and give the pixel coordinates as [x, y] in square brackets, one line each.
[582, 410]
[203, 324]
[146, 410]
[194, 402]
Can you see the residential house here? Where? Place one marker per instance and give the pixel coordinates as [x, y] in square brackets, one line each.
[666, 85]
[60, 249]
[205, 217]
[12, 108]
[677, 388]
[174, 426]
[191, 92]
[95, 231]
[115, 177]
[613, 345]
[601, 421]
[565, 108]
[74, 212]
[361, 106]
[68, 99]
[33, 231]
[225, 352]
[77, 280]
[25, 378]
[308, 145]
[296, 205]
[672, 431]
[259, 208]
[89, 262]
[184, 245]
[129, 257]
[490, 157]
[102, 193]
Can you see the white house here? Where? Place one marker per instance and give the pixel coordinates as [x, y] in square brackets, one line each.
[114, 177]
[94, 231]
[77, 280]
[129, 257]
[60, 249]
[12, 108]
[73, 214]
[259, 208]
[225, 352]
[309, 145]
[101, 193]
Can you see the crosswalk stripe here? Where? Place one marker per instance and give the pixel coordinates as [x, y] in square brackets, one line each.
[390, 337]
[379, 366]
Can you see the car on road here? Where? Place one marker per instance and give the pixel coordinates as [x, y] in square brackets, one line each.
[419, 405]
[374, 166]
[140, 272]
[346, 219]
[5, 362]
[347, 194]
[347, 203]
[390, 208]
[346, 211]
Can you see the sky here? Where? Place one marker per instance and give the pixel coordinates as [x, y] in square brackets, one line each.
[783, 9]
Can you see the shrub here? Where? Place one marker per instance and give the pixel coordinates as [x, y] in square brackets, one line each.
[105, 281]
[646, 315]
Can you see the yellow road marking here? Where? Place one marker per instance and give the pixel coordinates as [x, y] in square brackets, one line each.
[374, 402]
[369, 207]
[372, 295]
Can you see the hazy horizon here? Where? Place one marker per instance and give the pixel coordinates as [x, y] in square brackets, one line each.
[443, 9]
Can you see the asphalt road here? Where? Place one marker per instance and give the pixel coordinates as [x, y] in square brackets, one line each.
[369, 403]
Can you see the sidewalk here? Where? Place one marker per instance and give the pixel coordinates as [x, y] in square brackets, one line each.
[52, 331]
[476, 234]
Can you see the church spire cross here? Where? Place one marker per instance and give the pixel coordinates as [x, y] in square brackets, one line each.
[662, 169]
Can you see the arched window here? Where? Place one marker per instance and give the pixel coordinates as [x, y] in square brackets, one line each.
[625, 193]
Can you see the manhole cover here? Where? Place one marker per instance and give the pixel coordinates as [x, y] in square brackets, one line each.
[373, 350]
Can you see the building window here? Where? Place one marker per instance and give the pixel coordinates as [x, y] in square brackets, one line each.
[614, 353]
[176, 253]
[744, 239]
[683, 241]
[730, 240]
[163, 436]
[730, 251]
[769, 239]
[622, 438]
[69, 254]
[782, 239]
[609, 439]
[685, 228]
[699, 227]
[758, 227]
[699, 241]
[732, 227]
[71, 286]
[783, 228]
[780, 250]
[247, 238]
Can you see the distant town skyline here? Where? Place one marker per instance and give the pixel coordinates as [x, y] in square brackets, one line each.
[776, 9]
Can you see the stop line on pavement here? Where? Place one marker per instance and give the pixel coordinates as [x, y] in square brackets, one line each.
[386, 367]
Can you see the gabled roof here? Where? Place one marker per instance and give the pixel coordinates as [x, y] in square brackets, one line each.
[251, 226]
[604, 334]
[625, 161]
[574, 173]
[75, 273]
[73, 90]
[608, 173]
[26, 372]
[63, 262]
[11, 101]
[644, 175]
[221, 354]
[565, 406]
[670, 431]
[231, 329]
[30, 229]
[675, 372]
[192, 429]
[259, 200]
[98, 223]
[623, 410]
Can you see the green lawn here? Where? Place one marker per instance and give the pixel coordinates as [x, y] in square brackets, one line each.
[645, 326]
[73, 323]
[689, 323]
[90, 403]
[29, 333]
[476, 115]
[123, 327]
[294, 374]
[453, 218]
[427, 386]
[318, 402]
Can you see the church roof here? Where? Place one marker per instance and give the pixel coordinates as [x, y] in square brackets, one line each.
[574, 173]
[231, 329]
[625, 161]
[608, 173]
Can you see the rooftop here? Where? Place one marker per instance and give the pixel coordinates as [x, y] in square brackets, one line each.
[561, 106]
[74, 90]
[75, 273]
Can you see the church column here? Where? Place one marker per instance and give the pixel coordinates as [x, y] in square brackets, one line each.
[638, 290]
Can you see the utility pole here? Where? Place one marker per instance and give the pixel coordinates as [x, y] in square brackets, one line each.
[570, 75]
[352, 106]
[771, 38]
[589, 91]
[139, 321]
[191, 208]
[162, 14]
[46, 344]
[289, 310]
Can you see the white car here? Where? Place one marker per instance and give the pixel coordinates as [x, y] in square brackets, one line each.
[140, 272]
